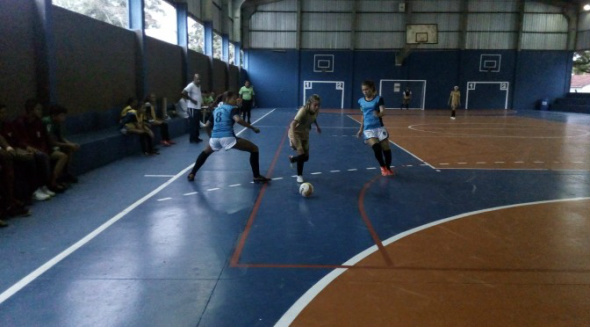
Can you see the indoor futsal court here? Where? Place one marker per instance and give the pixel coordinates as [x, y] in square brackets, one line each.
[487, 223]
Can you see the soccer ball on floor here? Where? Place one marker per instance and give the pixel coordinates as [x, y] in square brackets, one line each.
[306, 189]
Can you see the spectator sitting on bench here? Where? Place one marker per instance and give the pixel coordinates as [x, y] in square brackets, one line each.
[154, 120]
[35, 139]
[54, 126]
[133, 122]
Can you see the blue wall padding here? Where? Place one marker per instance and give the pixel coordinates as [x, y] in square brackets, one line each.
[488, 79]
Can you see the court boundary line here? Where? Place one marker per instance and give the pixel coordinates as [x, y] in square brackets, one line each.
[402, 148]
[32, 276]
[293, 312]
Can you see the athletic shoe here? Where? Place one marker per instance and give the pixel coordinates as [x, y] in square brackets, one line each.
[386, 171]
[46, 190]
[40, 195]
[165, 143]
[260, 179]
[453, 118]
[300, 179]
[171, 142]
[59, 188]
[18, 211]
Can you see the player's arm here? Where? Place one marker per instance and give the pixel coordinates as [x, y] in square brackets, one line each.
[294, 124]
[186, 96]
[362, 126]
[381, 111]
[317, 127]
[240, 121]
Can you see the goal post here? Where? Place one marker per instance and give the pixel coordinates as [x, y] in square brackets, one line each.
[391, 90]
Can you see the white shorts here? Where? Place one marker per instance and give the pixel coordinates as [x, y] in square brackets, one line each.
[379, 133]
[222, 143]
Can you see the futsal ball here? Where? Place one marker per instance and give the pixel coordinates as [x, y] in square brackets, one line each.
[306, 189]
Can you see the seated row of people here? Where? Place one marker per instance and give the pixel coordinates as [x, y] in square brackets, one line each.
[138, 118]
[34, 158]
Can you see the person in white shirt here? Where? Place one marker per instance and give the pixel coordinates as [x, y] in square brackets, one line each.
[194, 101]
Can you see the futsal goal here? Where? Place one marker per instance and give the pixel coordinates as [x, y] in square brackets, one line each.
[392, 91]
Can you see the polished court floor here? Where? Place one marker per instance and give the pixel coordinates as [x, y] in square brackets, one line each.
[487, 223]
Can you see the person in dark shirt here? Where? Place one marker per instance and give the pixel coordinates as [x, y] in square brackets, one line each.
[35, 139]
[54, 124]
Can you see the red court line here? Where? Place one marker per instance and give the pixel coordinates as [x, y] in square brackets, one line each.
[240, 247]
[367, 221]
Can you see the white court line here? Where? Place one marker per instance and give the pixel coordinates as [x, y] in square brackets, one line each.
[294, 311]
[316, 173]
[190, 193]
[371, 168]
[164, 199]
[55, 260]
[235, 185]
[352, 169]
[335, 171]
[403, 149]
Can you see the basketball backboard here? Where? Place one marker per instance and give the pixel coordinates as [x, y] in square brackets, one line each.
[421, 34]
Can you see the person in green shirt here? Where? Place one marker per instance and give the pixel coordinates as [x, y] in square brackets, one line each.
[247, 96]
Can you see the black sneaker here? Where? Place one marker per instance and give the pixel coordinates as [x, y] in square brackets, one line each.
[260, 179]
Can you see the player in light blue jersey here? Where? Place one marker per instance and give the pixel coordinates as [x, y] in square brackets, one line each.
[375, 134]
[223, 137]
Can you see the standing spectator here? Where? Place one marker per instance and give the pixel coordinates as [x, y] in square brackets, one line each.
[152, 118]
[36, 140]
[454, 100]
[192, 93]
[406, 98]
[247, 95]
[54, 126]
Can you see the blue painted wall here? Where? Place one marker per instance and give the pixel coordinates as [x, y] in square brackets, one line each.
[487, 79]
[275, 77]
